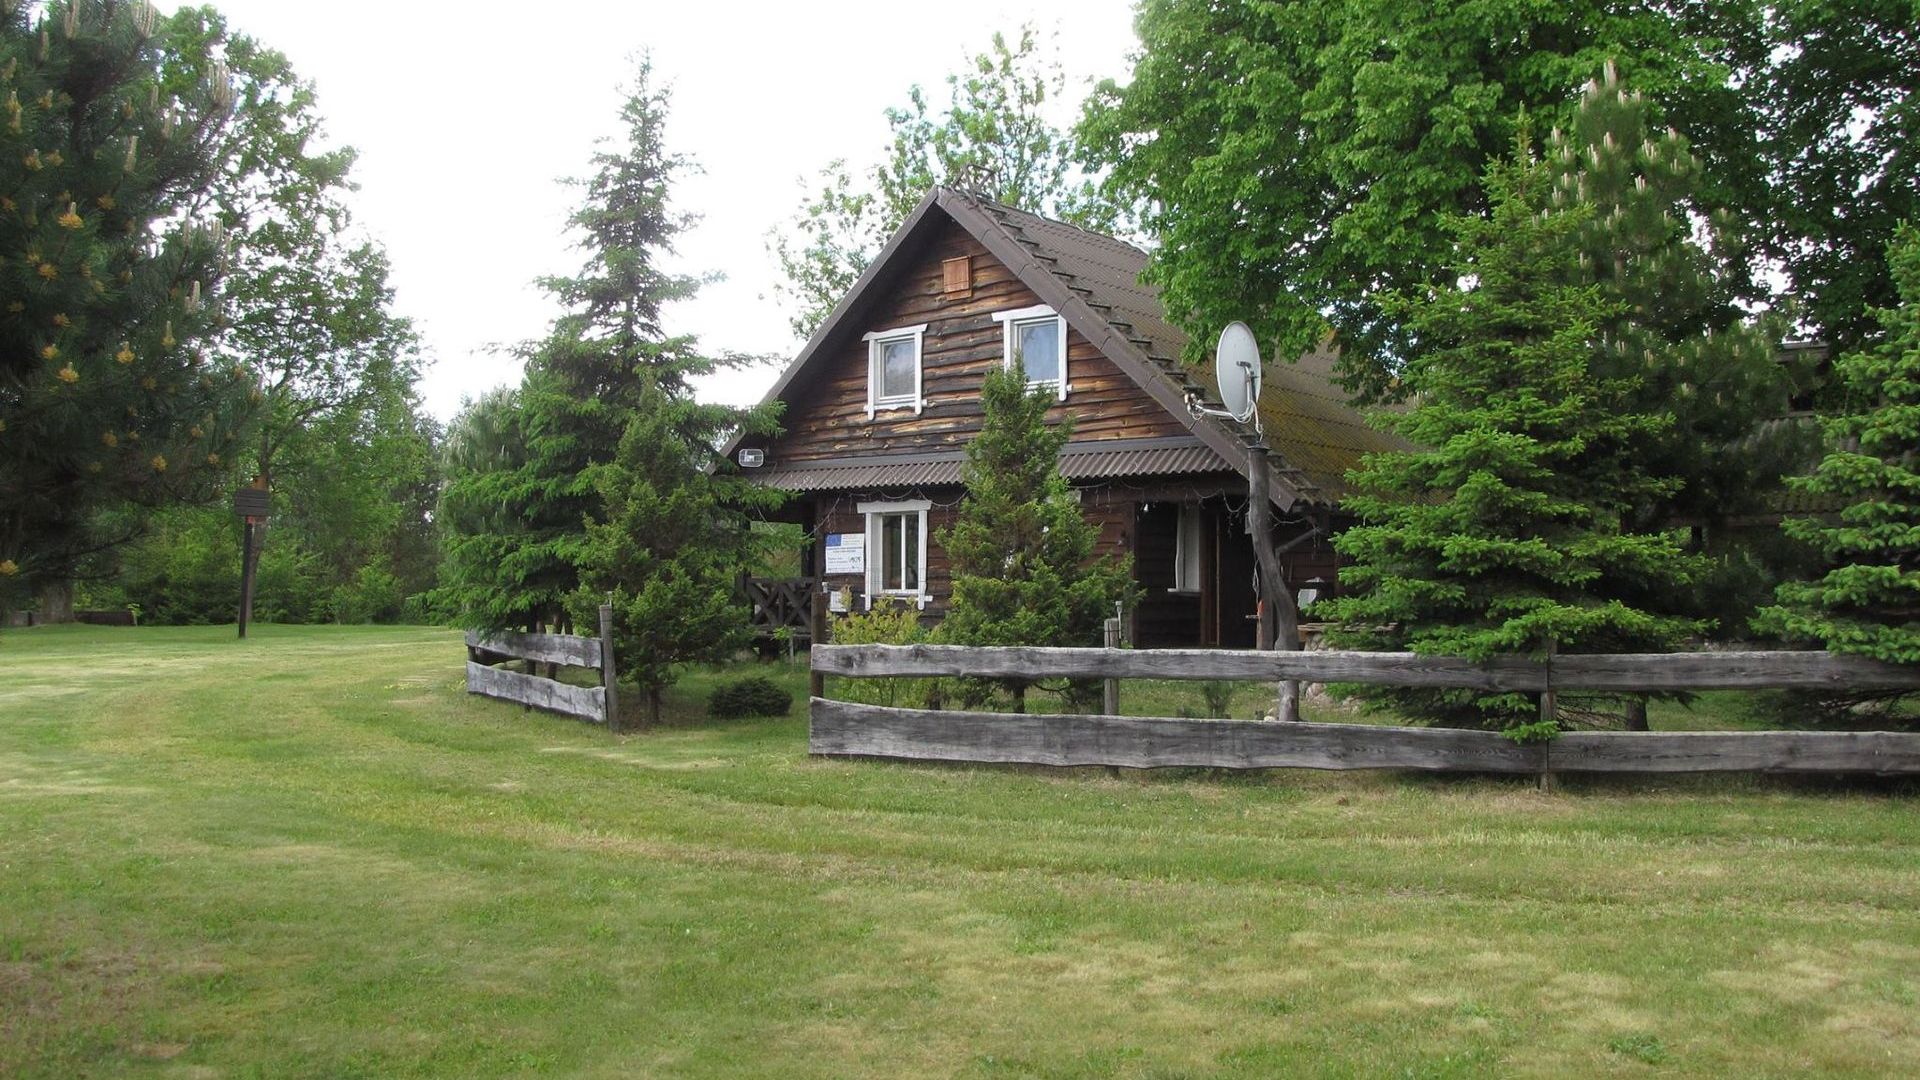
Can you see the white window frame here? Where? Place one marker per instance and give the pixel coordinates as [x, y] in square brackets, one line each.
[1010, 324]
[1187, 542]
[876, 346]
[876, 559]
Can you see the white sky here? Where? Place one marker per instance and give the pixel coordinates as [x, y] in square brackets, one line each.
[466, 115]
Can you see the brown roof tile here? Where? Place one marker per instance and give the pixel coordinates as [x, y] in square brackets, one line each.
[1304, 414]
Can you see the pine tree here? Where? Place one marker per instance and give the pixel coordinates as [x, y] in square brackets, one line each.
[1514, 531]
[1869, 603]
[109, 133]
[1021, 551]
[1674, 326]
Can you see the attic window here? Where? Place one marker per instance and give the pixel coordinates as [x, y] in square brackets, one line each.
[1038, 336]
[893, 369]
[956, 277]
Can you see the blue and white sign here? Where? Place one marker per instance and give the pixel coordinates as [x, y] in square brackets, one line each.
[846, 553]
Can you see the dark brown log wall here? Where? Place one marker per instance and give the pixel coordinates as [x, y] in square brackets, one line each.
[826, 414]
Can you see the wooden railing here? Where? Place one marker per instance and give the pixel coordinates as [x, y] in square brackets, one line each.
[845, 728]
[781, 603]
[596, 703]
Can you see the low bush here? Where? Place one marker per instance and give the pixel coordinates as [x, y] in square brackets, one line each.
[890, 622]
[752, 696]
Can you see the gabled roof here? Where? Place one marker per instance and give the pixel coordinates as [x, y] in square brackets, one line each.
[1093, 281]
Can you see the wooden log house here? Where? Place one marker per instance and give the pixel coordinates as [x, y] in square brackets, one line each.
[880, 403]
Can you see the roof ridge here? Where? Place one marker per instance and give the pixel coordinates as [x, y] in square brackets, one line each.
[997, 209]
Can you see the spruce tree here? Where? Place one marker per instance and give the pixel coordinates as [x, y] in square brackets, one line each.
[1514, 531]
[1869, 603]
[1021, 551]
[110, 129]
[667, 544]
[585, 380]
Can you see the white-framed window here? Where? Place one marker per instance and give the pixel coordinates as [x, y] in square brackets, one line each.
[1186, 550]
[893, 369]
[1038, 336]
[897, 549]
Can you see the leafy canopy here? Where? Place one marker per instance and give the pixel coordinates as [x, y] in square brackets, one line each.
[993, 138]
[1298, 160]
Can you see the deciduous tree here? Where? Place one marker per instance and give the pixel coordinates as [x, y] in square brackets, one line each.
[1297, 160]
[993, 138]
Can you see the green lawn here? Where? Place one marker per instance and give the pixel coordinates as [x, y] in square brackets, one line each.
[313, 854]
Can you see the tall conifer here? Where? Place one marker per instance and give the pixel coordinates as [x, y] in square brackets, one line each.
[1869, 603]
[1515, 530]
[587, 380]
[1021, 550]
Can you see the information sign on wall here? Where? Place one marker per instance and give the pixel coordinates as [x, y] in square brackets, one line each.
[846, 553]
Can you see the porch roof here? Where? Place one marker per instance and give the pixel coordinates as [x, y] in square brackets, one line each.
[1097, 460]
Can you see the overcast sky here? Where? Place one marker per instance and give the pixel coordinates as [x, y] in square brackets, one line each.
[466, 115]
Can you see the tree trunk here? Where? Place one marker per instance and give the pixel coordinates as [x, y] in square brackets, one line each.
[56, 601]
[1277, 608]
[1637, 714]
[653, 706]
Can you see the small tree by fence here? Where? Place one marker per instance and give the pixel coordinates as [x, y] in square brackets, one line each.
[597, 703]
[844, 728]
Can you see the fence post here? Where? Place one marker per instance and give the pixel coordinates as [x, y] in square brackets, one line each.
[609, 676]
[816, 635]
[1549, 714]
[1110, 697]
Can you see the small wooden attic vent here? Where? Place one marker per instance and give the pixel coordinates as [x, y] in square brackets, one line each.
[956, 278]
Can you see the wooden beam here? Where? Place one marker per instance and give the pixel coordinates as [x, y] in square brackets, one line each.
[1777, 670]
[1881, 752]
[586, 702]
[840, 727]
[1619, 673]
[548, 648]
[865, 661]
[845, 728]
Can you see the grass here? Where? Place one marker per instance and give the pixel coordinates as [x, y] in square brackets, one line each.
[311, 854]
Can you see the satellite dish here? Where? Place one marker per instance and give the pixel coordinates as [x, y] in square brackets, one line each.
[1236, 367]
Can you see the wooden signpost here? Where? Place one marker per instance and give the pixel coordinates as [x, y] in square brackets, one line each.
[251, 504]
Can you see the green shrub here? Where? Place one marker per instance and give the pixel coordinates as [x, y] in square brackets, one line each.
[890, 622]
[752, 696]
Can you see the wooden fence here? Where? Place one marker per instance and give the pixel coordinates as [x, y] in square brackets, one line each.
[845, 728]
[596, 703]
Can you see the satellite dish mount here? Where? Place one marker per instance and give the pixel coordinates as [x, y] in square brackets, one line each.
[1236, 370]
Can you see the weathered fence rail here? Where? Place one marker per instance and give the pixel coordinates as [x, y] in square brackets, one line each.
[596, 703]
[845, 728]
[1618, 672]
